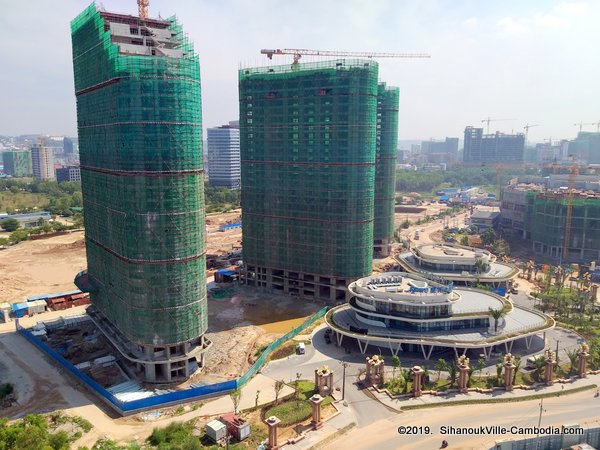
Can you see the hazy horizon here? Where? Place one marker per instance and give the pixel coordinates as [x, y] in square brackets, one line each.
[505, 60]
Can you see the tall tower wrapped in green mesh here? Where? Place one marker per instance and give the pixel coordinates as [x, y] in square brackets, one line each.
[137, 84]
[307, 141]
[385, 168]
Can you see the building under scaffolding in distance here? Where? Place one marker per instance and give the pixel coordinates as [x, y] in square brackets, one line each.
[308, 138]
[538, 213]
[137, 84]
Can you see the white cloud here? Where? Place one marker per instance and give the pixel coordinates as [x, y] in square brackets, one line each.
[471, 21]
[550, 21]
[511, 26]
[572, 8]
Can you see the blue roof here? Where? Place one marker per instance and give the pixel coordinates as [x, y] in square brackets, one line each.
[37, 297]
[19, 306]
[231, 225]
[62, 294]
[444, 198]
[226, 272]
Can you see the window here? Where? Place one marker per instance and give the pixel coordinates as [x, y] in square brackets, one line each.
[134, 31]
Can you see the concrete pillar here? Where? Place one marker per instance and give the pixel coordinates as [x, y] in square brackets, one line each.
[316, 401]
[509, 369]
[582, 361]
[324, 381]
[374, 374]
[272, 422]
[463, 373]
[417, 372]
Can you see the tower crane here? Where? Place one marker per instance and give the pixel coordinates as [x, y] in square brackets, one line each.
[581, 125]
[299, 52]
[489, 119]
[526, 128]
[143, 8]
[574, 170]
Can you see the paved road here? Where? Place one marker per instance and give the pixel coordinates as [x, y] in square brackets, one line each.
[365, 409]
[581, 409]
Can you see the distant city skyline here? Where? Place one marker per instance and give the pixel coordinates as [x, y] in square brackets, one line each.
[505, 60]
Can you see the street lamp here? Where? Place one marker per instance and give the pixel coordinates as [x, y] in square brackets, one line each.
[344, 365]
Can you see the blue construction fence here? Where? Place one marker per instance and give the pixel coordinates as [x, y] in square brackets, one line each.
[158, 401]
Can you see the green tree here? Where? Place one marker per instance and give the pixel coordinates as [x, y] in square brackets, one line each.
[236, 397]
[395, 364]
[10, 225]
[278, 386]
[488, 236]
[480, 366]
[497, 314]
[441, 365]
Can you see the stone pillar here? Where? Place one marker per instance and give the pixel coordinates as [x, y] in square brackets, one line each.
[316, 401]
[509, 369]
[549, 371]
[594, 293]
[582, 362]
[417, 372]
[463, 373]
[374, 374]
[324, 381]
[272, 422]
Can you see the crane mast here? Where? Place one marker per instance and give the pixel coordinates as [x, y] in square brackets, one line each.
[143, 8]
[297, 53]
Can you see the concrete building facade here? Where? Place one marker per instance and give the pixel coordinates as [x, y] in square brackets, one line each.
[224, 156]
[17, 163]
[42, 162]
[492, 148]
[70, 173]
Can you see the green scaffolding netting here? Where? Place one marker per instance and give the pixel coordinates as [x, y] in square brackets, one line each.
[308, 144]
[546, 218]
[140, 145]
[385, 167]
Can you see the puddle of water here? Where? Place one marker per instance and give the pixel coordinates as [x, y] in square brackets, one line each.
[282, 326]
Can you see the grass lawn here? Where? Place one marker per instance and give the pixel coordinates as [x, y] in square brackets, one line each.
[9, 200]
[291, 411]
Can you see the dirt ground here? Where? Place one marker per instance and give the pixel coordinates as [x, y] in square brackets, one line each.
[41, 267]
[49, 265]
[247, 321]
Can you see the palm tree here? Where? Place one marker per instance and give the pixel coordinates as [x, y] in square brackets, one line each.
[441, 365]
[480, 366]
[452, 372]
[497, 314]
[572, 355]
[517, 363]
[540, 363]
[395, 364]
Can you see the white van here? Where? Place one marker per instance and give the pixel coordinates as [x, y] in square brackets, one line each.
[300, 349]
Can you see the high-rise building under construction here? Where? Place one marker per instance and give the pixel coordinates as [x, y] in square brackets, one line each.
[137, 84]
[385, 169]
[308, 150]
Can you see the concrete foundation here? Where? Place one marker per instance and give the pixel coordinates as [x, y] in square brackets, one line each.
[306, 285]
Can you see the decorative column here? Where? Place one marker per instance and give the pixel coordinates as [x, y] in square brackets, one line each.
[593, 292]
[272, 422]
[316, 401]
[324, 381]
[509, 369]
[374, 373]
[582, 362]
[417, 372]
[463, 373]
[549, 371]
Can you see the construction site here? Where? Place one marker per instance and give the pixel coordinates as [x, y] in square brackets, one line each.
[308, 217]
[560, 222]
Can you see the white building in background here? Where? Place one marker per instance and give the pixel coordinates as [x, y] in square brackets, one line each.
[224, 156]
[42, 161]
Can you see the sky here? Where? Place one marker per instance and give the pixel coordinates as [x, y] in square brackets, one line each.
[534, 62]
